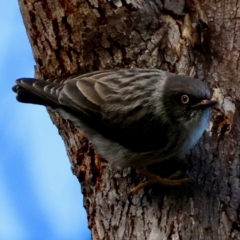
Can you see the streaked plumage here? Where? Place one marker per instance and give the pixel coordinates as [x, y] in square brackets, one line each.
[133, 117]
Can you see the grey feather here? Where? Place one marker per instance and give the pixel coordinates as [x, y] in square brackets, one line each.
[133, 117]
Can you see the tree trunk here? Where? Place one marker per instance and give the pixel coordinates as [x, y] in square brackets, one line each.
[198, 38]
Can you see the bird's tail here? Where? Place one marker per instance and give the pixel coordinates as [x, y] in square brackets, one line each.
[35, 91]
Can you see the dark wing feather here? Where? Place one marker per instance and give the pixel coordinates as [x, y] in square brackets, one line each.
[124, 96]
[117, 104]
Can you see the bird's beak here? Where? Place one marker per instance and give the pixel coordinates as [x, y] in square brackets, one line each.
[205, 103]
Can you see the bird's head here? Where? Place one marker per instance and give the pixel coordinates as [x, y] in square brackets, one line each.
[186, 98]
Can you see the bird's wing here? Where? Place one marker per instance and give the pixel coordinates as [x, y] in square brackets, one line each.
[118, 104]
[123, 96]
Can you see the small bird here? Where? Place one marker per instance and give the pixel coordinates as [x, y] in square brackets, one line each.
[132, 117]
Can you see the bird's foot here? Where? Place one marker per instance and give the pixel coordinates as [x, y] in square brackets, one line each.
[169, 181]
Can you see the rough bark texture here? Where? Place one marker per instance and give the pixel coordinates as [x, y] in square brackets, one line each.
[198, 38]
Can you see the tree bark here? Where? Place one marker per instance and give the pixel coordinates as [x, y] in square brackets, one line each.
[198, 38]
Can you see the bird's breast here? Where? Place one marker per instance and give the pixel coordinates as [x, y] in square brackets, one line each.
[195, 128]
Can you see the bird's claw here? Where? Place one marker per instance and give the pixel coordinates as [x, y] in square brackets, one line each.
[169, 181]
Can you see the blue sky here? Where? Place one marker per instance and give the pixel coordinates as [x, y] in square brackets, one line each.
[39, 196]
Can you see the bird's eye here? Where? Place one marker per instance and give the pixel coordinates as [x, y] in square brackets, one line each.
[185, 99]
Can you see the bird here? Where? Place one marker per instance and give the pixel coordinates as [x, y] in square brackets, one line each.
[132, 117]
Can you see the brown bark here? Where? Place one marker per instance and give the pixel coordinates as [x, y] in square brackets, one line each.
[198, 38]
